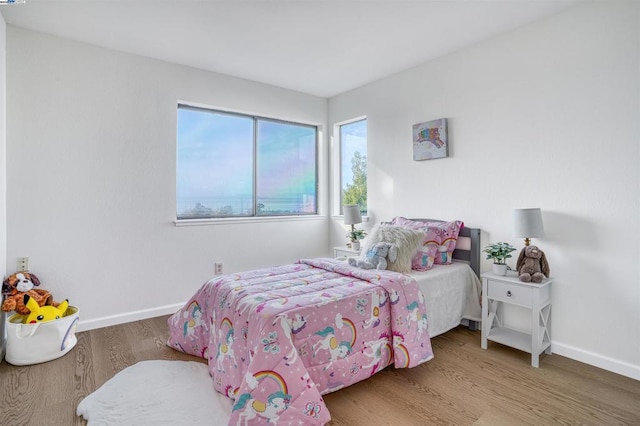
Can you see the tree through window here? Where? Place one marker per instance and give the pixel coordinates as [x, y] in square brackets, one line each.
[353, 164]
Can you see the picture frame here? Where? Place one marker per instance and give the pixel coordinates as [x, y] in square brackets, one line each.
[430, 140]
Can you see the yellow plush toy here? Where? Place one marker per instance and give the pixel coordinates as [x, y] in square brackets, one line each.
[43, 313]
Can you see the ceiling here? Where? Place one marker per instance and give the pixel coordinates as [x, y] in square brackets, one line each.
[320, 47]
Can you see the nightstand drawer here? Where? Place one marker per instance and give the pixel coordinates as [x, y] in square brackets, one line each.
[506, 292]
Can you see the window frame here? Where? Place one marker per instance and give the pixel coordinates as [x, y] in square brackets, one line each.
[338, 180]
[254, 216]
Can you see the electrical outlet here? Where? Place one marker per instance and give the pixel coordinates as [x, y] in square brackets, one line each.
[218, 268]
[23, 264]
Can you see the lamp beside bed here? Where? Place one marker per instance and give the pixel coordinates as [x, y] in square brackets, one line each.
[353, 217]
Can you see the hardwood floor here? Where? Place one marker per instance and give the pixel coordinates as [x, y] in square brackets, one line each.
[462, 385]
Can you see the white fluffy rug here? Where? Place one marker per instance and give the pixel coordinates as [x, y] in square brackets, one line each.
[157, 393]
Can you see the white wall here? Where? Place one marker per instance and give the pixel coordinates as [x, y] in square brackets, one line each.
[91, 178]
[553, 107]
[545, 116]
[3, 174]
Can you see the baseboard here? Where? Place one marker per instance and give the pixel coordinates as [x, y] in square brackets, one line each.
[591, 358]
[597, 360]
[127, 317]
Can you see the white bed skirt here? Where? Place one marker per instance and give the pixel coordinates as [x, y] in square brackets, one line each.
[452, 293]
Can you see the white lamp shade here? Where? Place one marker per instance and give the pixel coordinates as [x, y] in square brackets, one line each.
[527, 223]
[352, 214]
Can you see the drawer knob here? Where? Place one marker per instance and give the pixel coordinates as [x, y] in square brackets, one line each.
[508, 293]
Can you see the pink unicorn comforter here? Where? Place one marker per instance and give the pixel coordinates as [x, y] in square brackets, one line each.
[277, 339]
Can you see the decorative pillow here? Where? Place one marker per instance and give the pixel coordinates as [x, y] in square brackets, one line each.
[439, 241]
[449, 237]
[407, 240]
[424, 258]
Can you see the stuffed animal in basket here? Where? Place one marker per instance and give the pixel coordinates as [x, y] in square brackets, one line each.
[43, 313]
[375, 257]
[16, 286]
[532, 265]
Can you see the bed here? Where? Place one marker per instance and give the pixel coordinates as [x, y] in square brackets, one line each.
[277, 339]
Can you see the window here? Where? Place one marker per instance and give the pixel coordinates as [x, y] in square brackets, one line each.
[353, 164]
[234, 165]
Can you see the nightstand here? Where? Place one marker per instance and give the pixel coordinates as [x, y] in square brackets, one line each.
[344, 251]
[509, 289]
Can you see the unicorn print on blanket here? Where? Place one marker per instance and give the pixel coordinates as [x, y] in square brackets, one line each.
[413, 311]
[337, 349]
[394, 296]
[276, 402]
[285, 323]
[417, 316]
[225, 347]
[379, 353]
[297, 324]
[422, 324]
[193, 316]
[252, 407]
[377, 301]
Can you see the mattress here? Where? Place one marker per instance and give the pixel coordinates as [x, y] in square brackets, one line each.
[452, 293]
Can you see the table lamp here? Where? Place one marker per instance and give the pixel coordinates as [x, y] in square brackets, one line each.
[527, 223]
[352, 216]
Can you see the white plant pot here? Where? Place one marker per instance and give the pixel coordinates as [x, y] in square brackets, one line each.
[499, 269]
[355, 245]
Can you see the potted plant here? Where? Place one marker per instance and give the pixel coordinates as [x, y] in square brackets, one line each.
[499, 252]
[355, 235]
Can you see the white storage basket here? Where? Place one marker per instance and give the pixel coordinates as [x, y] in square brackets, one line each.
[40, 342]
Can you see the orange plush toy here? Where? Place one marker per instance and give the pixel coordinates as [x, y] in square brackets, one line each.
[16, 286]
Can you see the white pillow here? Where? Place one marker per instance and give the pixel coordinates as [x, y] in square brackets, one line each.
[407, 240]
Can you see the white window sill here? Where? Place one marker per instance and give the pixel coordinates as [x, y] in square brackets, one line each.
[341, 217]
[253, 219]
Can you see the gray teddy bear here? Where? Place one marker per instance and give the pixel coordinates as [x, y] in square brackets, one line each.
[375, 257]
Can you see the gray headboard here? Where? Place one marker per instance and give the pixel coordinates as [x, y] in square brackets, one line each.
[469, 253]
